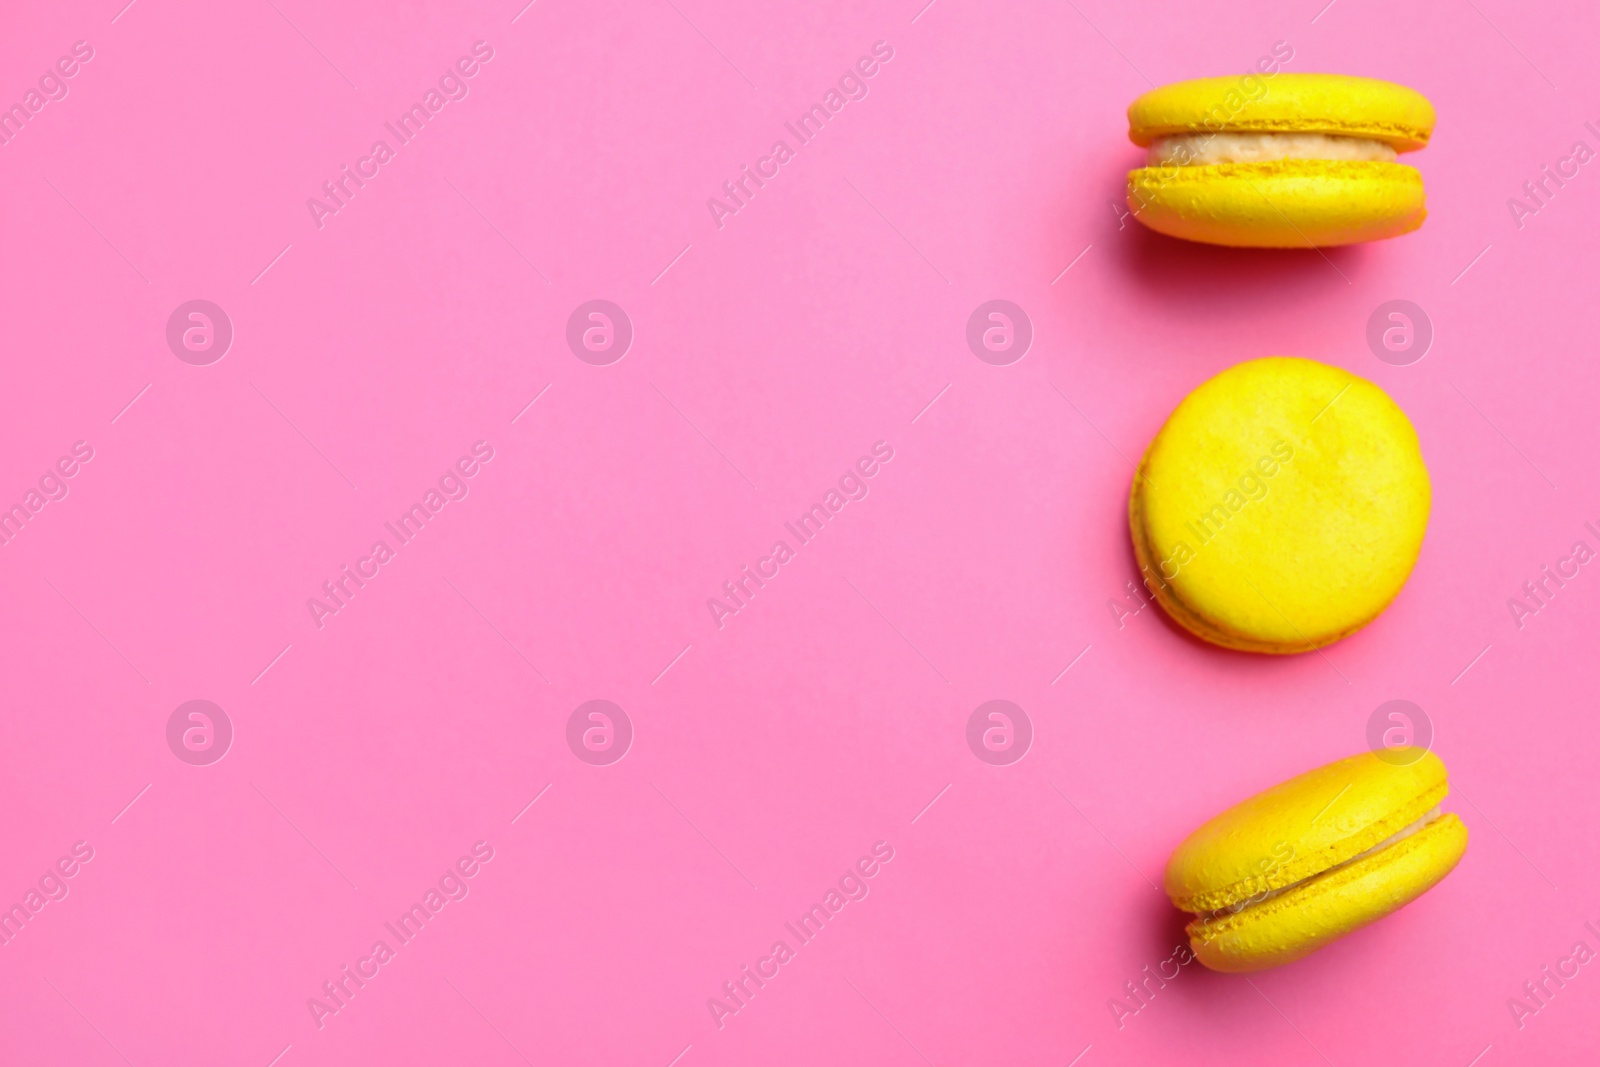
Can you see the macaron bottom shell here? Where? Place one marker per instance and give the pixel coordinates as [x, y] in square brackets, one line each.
[1280, 507]
[1301, 919]
[1195, 623]
[1285, 203]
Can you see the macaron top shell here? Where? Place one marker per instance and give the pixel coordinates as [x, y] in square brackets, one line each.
[1337, 104]
[1281, 507]
[1301, 828]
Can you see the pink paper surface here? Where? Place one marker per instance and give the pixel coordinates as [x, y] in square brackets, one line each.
[770, 750]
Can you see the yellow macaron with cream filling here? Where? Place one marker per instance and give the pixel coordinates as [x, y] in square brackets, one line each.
[1290, 161]
[1281, 507]
[1304, 863]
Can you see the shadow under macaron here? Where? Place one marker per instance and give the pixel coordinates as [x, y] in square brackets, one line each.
[1195, 278]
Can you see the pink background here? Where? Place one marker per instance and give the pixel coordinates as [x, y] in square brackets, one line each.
[770, 753]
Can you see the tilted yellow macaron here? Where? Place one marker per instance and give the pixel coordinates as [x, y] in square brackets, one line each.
[1306, 862]
[1281, 507]
[1287, 161]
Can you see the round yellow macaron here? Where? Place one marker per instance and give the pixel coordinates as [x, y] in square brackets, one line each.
[1280, 161]
[1281, 506]
[1306, 862]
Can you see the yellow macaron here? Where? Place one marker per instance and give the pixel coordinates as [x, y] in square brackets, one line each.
[1286, 161]
[1306, 862]
[1281, 507]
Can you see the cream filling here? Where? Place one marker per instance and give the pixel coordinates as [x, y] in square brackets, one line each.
[1207, 149]
[1400, 835]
